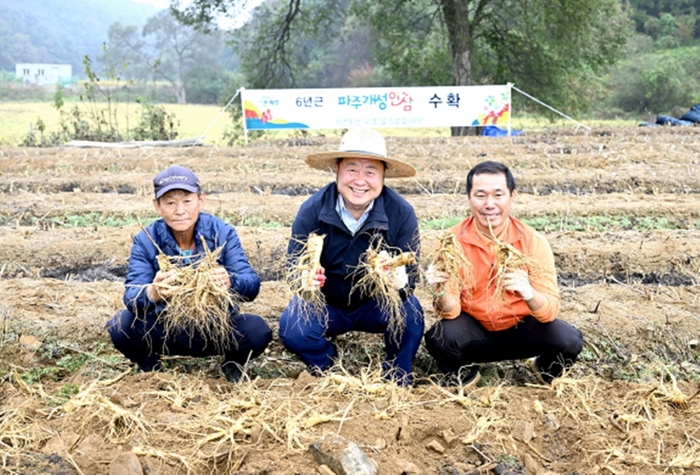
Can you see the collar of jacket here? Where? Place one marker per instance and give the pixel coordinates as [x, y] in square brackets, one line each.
[469, 233]
[377, 218]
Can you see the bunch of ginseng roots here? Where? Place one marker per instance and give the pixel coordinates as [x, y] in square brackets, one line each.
[310, 300]
[448, 259]
[508, 257]
[200, 304]
[377, 270]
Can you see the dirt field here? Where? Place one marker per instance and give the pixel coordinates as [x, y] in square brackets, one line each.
[70, 404]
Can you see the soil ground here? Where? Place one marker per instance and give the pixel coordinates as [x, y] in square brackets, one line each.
[619, 206]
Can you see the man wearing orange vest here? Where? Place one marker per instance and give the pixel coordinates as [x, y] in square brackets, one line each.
[503, 314]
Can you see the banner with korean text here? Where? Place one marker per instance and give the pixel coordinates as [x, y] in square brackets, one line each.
[440, 106]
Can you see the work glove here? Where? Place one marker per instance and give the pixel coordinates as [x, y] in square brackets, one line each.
[518, 282]
[319, 276]
[399, 277]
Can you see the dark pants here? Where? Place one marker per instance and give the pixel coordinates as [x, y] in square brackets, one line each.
[307, 335]
[464, 341]
[143, 339]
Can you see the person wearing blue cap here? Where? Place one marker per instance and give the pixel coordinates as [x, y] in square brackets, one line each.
[182, 232]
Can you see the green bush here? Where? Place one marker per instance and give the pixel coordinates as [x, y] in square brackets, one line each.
[657, 82]
[155, 123]
[95, 122]
[11, 91]
[206, 85]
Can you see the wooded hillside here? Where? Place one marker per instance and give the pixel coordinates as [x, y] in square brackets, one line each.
[56, 31]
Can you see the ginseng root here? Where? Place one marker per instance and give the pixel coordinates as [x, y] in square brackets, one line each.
[448, 258]
[301, 279]
[200, 304]
[378, 271]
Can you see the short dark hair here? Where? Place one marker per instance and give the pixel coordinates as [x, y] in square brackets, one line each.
[491, 168]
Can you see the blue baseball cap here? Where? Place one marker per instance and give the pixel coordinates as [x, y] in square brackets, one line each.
[175, 178]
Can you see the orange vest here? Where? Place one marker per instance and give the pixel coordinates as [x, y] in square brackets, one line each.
[500, 312]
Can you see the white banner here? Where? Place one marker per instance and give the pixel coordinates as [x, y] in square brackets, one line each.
[440, 106]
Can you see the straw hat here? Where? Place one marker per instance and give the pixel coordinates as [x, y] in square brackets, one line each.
[361, 143]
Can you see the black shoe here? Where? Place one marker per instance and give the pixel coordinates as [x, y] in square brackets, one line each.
[542, 377]
[467, 377]
[151, 363]
[315, 371]
[232, 371]
[396, 375]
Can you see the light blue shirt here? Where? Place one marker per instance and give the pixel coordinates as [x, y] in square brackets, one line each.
[348, 219]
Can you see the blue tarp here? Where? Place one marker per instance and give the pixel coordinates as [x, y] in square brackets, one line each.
[493, 131]
[668, 120]
[689, 118]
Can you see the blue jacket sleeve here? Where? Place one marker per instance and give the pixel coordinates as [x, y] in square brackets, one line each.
[142, 269]
[244, 280]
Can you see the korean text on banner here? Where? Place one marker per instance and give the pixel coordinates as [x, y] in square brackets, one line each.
[443, 106]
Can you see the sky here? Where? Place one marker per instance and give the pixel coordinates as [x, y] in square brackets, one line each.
[155, 3]
[243, 17]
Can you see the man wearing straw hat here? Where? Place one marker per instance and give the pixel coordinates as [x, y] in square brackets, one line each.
[353, 213]
[188, 237]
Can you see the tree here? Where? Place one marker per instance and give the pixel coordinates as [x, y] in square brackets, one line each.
[125, 51]
[648, 16]
[552, 48]
[206, 84]
[324, 50]
[163, 49]
[179, 48]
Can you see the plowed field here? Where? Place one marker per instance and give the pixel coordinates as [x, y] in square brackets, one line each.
[620, 207]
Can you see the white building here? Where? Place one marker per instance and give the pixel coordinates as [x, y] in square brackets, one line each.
[44, 74]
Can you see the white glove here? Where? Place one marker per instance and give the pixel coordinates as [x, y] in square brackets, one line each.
[517, 281]
[398, 274]
[434, 276]
[400, 277]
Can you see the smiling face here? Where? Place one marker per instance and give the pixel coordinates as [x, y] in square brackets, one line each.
[359, 181]
[180, 210]
[490, 201]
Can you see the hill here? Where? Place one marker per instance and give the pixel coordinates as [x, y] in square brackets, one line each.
[55, 31]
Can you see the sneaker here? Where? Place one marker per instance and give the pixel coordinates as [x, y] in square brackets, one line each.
[232, 371]
[541, 377]
[467, 377]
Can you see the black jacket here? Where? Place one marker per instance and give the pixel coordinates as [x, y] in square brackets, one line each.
[392, 218]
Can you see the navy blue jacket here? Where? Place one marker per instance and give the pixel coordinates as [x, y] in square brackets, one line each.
[143, 264]
[392, 218]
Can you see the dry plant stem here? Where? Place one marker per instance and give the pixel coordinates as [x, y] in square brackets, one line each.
[377, 283]
[673, 395]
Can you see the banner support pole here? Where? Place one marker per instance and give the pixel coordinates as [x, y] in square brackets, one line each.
[510, 105]
[245, 129]
[552, 108]
[197, 140]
